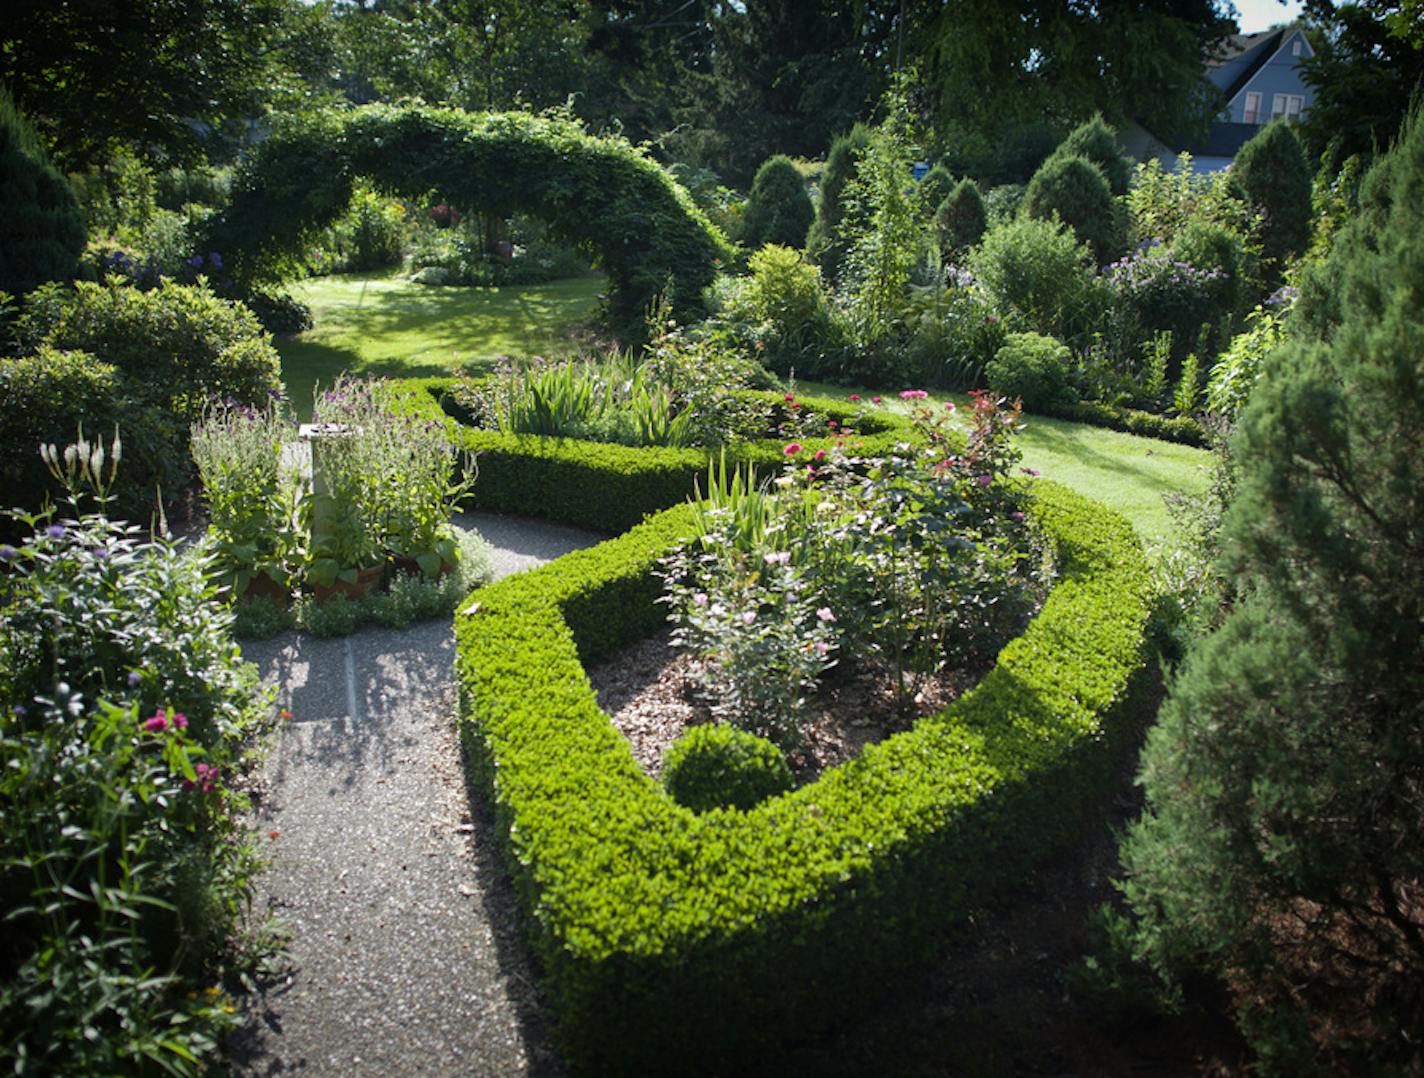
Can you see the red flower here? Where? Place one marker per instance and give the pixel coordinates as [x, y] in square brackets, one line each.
[792, 449]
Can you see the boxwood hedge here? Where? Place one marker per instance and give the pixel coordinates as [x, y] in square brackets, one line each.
[684, 942]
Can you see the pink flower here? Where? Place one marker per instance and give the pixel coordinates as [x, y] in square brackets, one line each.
[180, 720]
[876, 400]
[1030, 471]
[700, 599]
[156, 723]
[913, 394]
[792, 449]
[855, 396]
[820, 454]
[949, 406]
[985, 480]
[788, 397]
[822, 647]
[1017, 515]
[825, 614]
[748, 617]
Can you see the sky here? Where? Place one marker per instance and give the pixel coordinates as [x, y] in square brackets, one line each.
[1256, 15]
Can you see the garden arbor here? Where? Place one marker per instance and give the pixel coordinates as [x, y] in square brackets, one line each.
[600, 193]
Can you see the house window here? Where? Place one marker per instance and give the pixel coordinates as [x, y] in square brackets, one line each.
[1287, 105]
[1295, 47]
[1252, 115]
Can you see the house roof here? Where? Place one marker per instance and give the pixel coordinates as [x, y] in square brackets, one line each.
[1264, 44]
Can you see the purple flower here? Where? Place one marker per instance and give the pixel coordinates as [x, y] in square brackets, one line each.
[155, 723]
[215, 260]
[56, 531]
[134, 678]
[7, 552]
[984, 480]
[21, 711]
[196, 261]
[1030, 471]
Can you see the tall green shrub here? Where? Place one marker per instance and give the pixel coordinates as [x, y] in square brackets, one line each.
[778, 209]
[961, 219]
[1275, 176]
[823, 242]
[1096, 141]
[1075, 189]
[935, 187]
[1039, 276]
[41, 226]
[1281, 846]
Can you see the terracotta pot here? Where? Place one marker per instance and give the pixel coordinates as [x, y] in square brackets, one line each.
[263, 586]
[366, 580]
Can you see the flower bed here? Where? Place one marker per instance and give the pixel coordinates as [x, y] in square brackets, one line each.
[673, 940]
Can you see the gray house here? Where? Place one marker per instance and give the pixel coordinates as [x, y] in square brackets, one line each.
[1259, 75]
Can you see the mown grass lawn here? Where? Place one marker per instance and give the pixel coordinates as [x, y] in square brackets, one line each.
[1128, 473]
[385, 326]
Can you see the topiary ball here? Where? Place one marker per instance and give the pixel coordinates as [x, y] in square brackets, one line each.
[719, 766]
[1032, 368]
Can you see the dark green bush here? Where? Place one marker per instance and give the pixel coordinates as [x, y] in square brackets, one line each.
[935, 187]
[778, 209]
[961, 219]
[1274, 174]
[1183, 429]
[1280, 849]
[42, 229]
[1219, 251]
[672, 941]
[600, 193]
[46, 395]
[720, 766]
[1031, 368]
[1096, 141]
[176, 344]
[824, 242]
[1075, 190]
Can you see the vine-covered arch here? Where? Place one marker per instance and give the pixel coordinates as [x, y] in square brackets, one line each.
[601, 193]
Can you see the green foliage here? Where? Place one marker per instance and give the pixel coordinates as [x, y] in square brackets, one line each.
[935, 187]
[1182, 429]
[1187, 392]
[42, 229]
[46, 394]
[1240, 366]
[1073, 189]
[825, 242]
[1031, 368]
[778, 209]
[1275, 176]
[598, 192]
[1280, 847]
[370, 235]
[1161, 203]
[178, 345]
[1222, 254]
[961, 219]
[1097, 142]
[667, 936]
[790, 317]
[125, 714]
[719, 766]
[1039, 276]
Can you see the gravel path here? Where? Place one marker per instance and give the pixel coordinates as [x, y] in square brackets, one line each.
[405, 955]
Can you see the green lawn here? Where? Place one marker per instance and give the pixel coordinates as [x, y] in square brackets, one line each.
[382, 325]
[1129, 473]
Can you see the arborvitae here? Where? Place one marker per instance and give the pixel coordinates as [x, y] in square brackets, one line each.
[41, 227]
[938, 182]
[1075, 189]
[1281, 846]
[961, 219]
[778, 208]
[1096, 141]
[823, 243]
[1273, 172]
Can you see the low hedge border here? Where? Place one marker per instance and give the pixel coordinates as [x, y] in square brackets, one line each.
[610, 488]
[1183, 429]
[672, 941]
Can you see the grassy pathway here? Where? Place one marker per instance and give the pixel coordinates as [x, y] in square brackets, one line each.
[382, 325]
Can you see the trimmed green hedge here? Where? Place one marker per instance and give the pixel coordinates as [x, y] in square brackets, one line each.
[1183, 429]
[609, 488]
[598, 193]
[672, 941]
